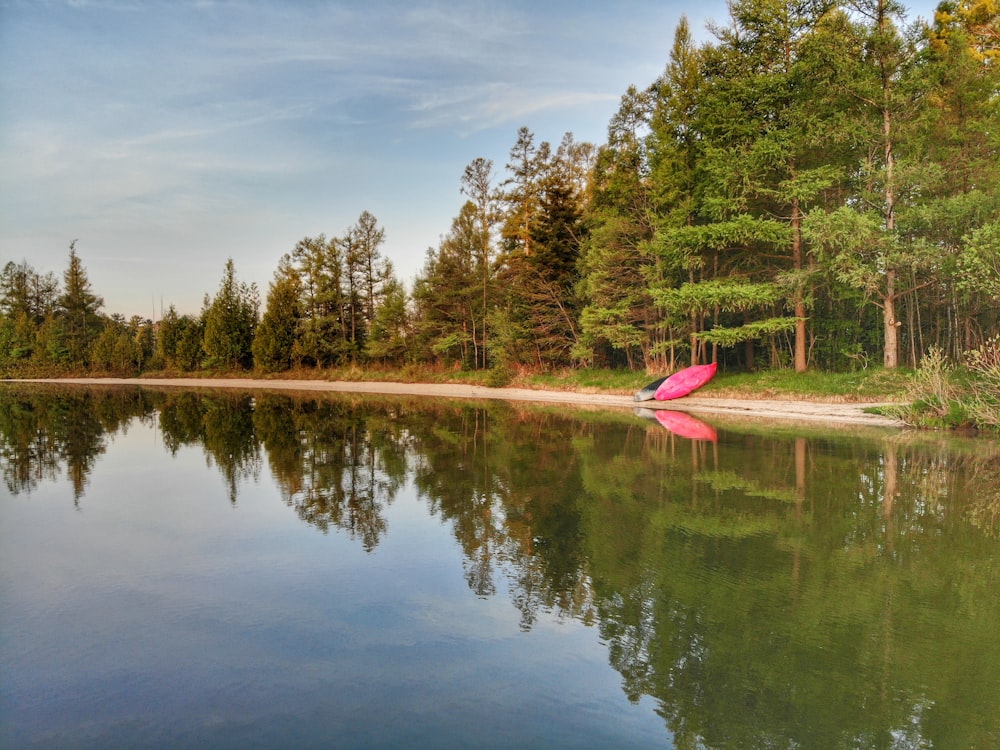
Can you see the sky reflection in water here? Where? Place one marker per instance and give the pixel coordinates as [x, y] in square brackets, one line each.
[228, 570]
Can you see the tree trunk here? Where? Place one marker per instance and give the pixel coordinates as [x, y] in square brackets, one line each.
[890, 324]
[801, 358]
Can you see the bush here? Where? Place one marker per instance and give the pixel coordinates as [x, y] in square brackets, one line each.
[499, 376]
[942, 395]
[984, 383]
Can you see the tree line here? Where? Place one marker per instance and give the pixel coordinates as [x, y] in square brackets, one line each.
[817, 186]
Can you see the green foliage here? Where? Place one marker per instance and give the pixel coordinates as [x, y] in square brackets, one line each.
[190, 353]
[618, 320]
[453, 293]
[740, 231]
[117, 350]
[77, 310]
[499, 376]
[390, 327]
[933, 390]
[978, 265]
[230, 322]
[984, 384]
[538, 269]
[274, 340]
[943, 395]
[729, 295]
[178, 341]
[726, 336]
[18, 340]
[24, 292]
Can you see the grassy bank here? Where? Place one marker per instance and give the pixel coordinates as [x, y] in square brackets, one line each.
[862, 386]
[942, 395]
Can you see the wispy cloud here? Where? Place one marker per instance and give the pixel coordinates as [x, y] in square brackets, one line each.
[189, 131]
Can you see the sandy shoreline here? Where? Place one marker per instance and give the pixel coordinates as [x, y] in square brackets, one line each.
[843, 415]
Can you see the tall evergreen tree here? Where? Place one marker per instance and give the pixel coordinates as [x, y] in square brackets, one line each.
[619, 318]
[960, 186]
[874, 67]
[522, 191]
[27, 298]
[78, 311]
[376, 270]
[538, 270]
[676, 156]
[352, 253]
[477, 184]
[25, 291]
[390, 329]
[448, 294]
[760, 138]
[231, 321]
[548, 278]
[168, 333]
[323, 332]
[274, 340]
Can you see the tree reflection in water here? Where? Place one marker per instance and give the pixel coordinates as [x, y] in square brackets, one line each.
[43, 431]
[810, 590]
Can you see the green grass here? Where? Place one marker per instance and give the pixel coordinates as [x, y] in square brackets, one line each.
[865, 385]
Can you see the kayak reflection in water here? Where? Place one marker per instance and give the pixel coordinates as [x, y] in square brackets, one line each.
[680, 423]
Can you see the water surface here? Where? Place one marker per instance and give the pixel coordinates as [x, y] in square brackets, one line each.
[228, 569]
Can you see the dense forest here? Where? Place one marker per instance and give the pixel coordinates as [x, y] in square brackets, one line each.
[816, 187]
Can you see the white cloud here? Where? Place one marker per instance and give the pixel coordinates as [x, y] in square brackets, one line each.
[182, 133]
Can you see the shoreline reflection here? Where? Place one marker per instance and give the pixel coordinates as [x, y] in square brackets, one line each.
[764, 590]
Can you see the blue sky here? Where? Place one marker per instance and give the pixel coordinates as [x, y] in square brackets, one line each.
[168, 136]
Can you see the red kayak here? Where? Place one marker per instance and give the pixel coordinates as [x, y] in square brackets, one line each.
[685, 425]
[683, 382]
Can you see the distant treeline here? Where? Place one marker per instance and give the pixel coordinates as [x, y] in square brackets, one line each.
[819, 186]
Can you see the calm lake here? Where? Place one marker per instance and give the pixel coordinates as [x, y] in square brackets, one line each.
[213, 569]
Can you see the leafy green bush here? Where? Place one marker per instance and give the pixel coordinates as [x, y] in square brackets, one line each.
[943, 395]
[984, 383]
[499, 377]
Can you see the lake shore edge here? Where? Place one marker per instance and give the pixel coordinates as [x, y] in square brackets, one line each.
[839, 414]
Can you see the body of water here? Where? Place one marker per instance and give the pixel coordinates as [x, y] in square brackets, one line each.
[252, 569]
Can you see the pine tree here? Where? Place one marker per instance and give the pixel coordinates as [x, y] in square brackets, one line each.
[388, 340]
[760, 167]
[77, 308]
[230, 322]
[477, 184]
[873, 68]
[523, 190]
[27, 298]
[274, 341]
[323, 338]
[448, 293]
[619, 318]
[539, 266]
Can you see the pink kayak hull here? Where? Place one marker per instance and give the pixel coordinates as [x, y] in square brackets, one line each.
[683, 382]
[686, 426]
